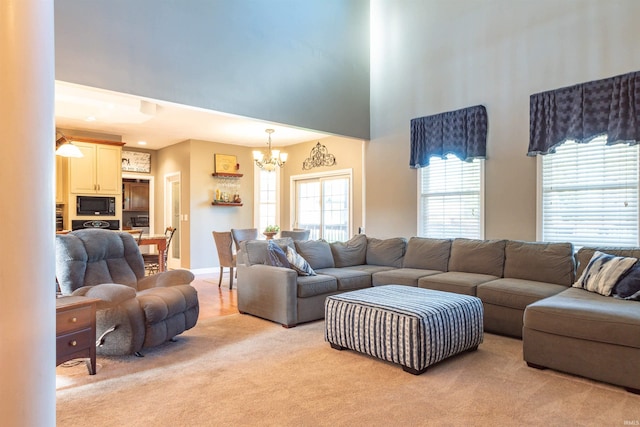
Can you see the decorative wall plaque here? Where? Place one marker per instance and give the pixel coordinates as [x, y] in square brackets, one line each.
[225, 163]
[319, 156]
[136, 161]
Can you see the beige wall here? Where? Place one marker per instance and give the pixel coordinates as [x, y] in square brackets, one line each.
[348, 154]
[433, 56]
[205, 218]
[173, 159]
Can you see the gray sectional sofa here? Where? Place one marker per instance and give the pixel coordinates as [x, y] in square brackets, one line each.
[525, 287]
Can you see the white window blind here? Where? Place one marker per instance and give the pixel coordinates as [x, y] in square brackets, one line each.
[451, 199]
[590, 194]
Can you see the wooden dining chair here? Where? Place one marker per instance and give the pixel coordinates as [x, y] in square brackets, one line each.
[226, 257]
[152, 261]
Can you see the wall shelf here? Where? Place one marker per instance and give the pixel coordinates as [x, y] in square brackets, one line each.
[220, 203]
[227, 175]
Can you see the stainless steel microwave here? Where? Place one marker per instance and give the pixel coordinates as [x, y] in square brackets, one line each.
[95, 206]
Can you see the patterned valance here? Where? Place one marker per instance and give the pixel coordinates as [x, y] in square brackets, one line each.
[461, 132]
[584, 111]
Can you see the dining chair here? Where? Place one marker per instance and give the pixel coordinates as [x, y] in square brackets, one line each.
[226, 257]
[152, 261]
[240, 234]
[296, 234]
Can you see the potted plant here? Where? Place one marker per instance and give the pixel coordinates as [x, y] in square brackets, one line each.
[271, 231]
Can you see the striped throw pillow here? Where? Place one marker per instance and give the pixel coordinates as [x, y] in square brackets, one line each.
[603, 272]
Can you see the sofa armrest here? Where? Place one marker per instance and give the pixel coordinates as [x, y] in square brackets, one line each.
[110, 294]
[268, 292]
[165, 279]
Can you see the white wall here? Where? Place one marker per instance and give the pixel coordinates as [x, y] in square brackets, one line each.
[303, 63]
[431, 56]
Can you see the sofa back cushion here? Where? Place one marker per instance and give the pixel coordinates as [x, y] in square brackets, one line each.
[316, 252]
[428, 254]
[255, 251]
[389, 252]
[584, 255]
[477, 256]
[90, 257]
[542, 262]
[351, 252]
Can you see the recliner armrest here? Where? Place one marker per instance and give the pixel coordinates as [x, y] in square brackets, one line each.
[165, 279]
[110, 293]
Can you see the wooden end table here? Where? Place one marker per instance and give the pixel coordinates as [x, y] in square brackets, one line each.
[76, 330]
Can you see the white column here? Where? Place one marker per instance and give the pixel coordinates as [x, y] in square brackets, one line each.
[27, 204]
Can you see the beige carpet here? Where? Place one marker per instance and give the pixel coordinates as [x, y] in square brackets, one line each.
[238, 370]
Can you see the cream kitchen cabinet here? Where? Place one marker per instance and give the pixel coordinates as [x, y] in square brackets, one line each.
[99, 171]
[61, 188]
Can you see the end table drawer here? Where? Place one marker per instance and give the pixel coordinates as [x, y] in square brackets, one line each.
[69, 344]
[73, 319]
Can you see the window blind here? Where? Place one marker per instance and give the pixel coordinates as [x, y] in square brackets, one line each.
[450, 199]
[590, 194]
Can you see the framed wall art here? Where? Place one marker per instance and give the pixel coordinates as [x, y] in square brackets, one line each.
[136, 161]
[225, 163]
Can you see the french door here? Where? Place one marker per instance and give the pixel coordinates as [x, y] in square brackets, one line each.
[323, 205]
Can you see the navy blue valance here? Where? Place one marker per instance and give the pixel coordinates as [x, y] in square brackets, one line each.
[460, 132]
[584, 111]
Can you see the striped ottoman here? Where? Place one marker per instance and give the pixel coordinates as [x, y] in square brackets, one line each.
[413, 327]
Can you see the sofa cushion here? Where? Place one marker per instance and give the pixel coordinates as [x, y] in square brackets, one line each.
[427, 254]
[585, 315]
[629, 286]
[316, 252]
[603, 272]
[276, 256]
[541, 262]
[386, 252]
[298, 263]
[349, 253]
[516, 293]
[400, 276]
[477, 256]
[348, 279]
[455, 281]
[320, 284]
[371, 269]
[255, 251]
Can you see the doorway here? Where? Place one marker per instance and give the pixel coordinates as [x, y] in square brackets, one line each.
[172, 215]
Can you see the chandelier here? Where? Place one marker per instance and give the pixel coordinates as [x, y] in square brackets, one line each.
[273, 158]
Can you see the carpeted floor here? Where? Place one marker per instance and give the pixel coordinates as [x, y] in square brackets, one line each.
[238, 370]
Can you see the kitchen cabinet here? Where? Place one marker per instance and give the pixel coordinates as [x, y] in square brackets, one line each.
[99, 171]
[61, 168]
[135, 196]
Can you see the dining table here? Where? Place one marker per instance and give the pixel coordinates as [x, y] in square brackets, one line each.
[160, 241]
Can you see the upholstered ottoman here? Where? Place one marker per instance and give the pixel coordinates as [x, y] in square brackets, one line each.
[412, 327]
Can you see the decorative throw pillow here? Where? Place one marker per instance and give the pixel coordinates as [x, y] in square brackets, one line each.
[629, 286]
[276, 256]
[603, 272]
[298, 263]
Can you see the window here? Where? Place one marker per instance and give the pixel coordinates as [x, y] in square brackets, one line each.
[590, 194]
[266, 198]
[323, 205]
[451, 198]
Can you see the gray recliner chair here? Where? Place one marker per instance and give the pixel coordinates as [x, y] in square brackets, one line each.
[134, 311]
